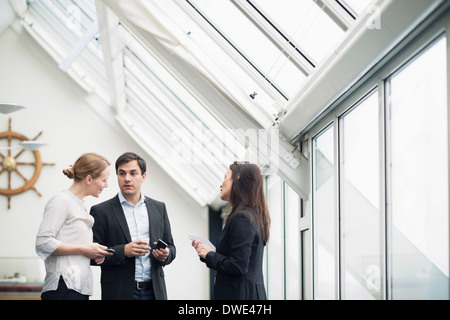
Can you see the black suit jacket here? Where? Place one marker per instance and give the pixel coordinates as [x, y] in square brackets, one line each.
[111, 229]
[238, 260]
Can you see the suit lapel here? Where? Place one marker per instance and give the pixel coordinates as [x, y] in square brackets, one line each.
[120, 215]
[151, 218]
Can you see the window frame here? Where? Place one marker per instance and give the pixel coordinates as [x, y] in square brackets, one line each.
[414, 45]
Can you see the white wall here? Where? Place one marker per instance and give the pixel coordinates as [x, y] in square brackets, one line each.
[56, 106]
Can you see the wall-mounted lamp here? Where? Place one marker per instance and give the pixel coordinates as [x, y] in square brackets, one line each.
[28, 145]
[8, 108]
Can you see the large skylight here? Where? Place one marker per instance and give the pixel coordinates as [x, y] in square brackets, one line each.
[252, 44]
[256, 53]
[284, 40]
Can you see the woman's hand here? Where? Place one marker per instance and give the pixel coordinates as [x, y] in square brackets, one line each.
[202, 249]
[92, 251]
[99, 260]
[96, 251]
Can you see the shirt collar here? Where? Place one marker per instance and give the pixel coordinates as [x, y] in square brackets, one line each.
[122, 199]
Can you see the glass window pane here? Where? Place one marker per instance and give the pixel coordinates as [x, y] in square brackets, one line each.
[292, 248]
[419, 178]
[248, 39]
[274, 252]
[304, 22]
[324, 216]
[306, 266]
[360, 212]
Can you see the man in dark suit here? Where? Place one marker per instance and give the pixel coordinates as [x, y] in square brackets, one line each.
[131, 224]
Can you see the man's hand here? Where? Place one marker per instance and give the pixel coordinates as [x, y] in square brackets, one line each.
[160, 254]
[136, 248]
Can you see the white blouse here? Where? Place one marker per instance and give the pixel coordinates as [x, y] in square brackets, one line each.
[65, 220]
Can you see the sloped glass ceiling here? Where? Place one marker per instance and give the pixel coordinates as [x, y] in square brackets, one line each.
[256, 53]
[69, 33]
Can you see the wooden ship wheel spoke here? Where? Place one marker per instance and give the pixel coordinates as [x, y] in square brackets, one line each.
[11, 165]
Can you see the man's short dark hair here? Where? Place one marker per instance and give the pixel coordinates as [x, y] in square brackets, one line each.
[130, 156]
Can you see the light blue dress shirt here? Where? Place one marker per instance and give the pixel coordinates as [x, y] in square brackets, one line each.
[138, 223]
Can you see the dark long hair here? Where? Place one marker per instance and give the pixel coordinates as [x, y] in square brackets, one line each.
[247, 194]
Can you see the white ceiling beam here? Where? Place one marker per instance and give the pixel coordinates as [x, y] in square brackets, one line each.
[19, 6]
[79, 47]
[341, 17]
[7, 15]
[112, 48]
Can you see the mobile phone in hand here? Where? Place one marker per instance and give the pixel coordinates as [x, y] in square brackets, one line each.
[160, 244]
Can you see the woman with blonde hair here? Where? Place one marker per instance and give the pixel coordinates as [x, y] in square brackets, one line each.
[240, 247]
[65, 238]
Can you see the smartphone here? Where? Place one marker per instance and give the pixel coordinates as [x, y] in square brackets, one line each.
[160, 244]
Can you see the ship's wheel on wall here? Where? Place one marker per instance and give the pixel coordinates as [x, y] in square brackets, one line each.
[21, 163]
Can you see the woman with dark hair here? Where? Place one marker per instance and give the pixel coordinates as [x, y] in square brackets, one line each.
[240, 247]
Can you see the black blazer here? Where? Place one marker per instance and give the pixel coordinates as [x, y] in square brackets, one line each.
[111, 229]
[238, 260]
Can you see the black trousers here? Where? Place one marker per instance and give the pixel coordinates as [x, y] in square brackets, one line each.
[63, 293]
